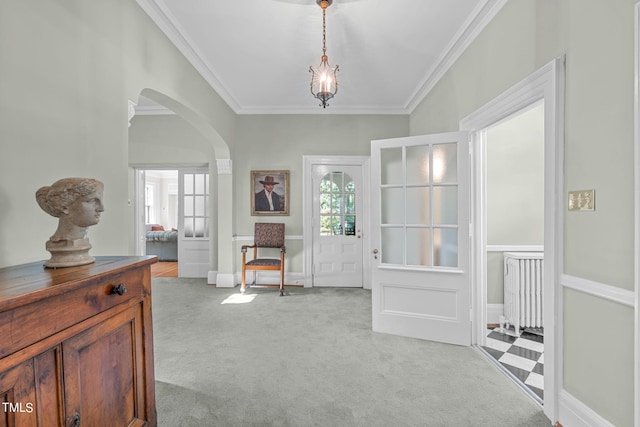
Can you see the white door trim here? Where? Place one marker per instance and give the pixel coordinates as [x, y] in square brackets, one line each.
[636, 127]
[307, 204]
[545, 84]
[138, 212]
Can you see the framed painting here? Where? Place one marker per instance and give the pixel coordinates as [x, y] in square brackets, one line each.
[269, 192]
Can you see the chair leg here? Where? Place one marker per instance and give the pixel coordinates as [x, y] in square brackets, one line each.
[243, 286]
[281, 282]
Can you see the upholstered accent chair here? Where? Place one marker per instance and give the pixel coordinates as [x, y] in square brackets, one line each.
[266, 235]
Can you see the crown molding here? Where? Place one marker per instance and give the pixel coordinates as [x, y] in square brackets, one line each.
[159, 14]
[476, 22]
[334, 110]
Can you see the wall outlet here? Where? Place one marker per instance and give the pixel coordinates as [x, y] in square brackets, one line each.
[582, 200]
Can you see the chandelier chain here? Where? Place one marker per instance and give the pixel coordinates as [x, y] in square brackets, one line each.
[324, 31]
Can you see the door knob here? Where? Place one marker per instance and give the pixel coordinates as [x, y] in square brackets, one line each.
[375, 254]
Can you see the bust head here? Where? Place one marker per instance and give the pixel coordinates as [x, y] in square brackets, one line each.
[77, 202]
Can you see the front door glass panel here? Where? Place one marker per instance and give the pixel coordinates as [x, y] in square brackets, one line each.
[337, 205]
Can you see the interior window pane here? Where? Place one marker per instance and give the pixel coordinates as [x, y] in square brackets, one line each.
[188, 183]
[350, 225]
[418, 164]
[337, 181]
[445, 205]
[350, 203]
[188, 206]
[188, 227]
[349, 185]
[445, 163]
[391, 165]
[419, 246]
[392, 204]
[336, 205]
[336, 226]
[446, 247]
[200, 183]
[325, 225]
[325, 203]
[325, 184]
[200, 206]
[418, 206]
[206, 183]
[392, 245]
[199, 227]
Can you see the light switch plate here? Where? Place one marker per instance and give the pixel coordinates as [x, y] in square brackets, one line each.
[582, 200]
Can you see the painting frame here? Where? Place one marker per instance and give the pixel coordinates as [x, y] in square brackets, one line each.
[259, 181]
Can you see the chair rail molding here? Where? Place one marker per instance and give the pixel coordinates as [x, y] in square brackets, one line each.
[636, 175]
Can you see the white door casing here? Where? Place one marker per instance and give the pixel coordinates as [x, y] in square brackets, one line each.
[545, 84]
[337, 225]
[420, 237]
[335, 163]
[138, 209]
[193, 222]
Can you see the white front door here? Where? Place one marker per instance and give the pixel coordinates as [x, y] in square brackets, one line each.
[193, 223]
[337, 229]
[420, 237]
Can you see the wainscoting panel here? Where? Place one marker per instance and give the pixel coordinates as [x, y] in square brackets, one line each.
[419, 302]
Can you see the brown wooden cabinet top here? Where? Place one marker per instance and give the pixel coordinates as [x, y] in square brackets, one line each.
[22, 284]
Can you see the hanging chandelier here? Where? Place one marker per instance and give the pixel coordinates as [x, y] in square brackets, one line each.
[324, 83]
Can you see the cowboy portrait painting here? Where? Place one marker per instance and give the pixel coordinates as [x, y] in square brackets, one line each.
[270, 193]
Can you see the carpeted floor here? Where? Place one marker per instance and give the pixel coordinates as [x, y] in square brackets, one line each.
[311, 359]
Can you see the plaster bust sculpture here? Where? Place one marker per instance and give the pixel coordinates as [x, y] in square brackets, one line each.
[77, 203]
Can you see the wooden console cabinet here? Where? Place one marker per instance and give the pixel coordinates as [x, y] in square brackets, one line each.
[76, 345]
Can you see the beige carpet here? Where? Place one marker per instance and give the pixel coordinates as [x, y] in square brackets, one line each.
[311, 359]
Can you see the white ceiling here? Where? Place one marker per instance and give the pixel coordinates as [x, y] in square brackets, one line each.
[256, 53]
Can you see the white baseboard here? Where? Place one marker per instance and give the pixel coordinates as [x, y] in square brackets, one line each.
[212, 277]
[224, 280]
[574, 413]
[272, 278]
[494, 311]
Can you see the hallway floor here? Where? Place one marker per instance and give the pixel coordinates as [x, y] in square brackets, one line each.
[164, 269]
[522, 356]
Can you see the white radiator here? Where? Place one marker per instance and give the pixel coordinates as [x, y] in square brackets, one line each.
[523, 297]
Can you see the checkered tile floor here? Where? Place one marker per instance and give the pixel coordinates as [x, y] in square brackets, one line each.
[522, 356]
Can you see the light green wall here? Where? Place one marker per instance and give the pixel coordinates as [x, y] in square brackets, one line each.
[495, 278]
[68, 69]
[278, 142]
[515, 180]
[594, 328]
[167, 139]
[597, 38]
[515, 190]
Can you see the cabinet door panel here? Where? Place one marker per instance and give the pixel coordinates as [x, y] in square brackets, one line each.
[48, 380]
[104, 372]
[18, 397]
